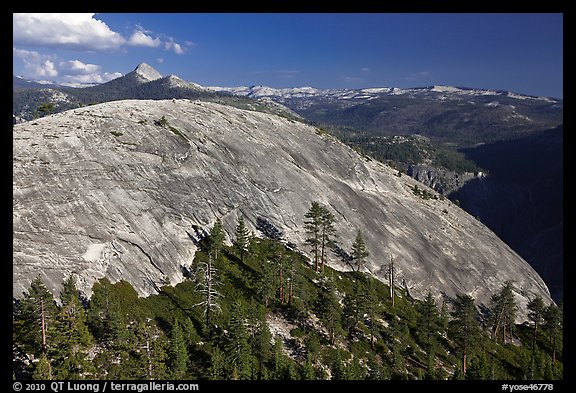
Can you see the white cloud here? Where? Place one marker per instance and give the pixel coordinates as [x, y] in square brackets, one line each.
[365, 69]
[139, 38]
[76, 67]
[160, 60]
[46, 68]
[92, 78]
[26, 54]
[69, 31]
[36, 64]
[172, 45]
[72, 72]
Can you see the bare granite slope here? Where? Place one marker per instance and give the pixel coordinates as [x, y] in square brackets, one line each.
[107, 190]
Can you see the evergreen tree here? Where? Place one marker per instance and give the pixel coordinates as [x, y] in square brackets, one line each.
[242, 238]
[352, 310]
[178, 358]
[259, 336]
[553, 323]
[74, 339]
[428, 322]
[536, 315]
[266, 287]
[369, 302]
[464, 329]
[313, 226]
[327, 232]
[217, 365]
[34, 316]
[337, 367]
[42, 371]
[308, 372]
[359, 252]
[330, 310]
[237, 346]
[216, 238]
[148, 355]
[279, 359]
[503, 311]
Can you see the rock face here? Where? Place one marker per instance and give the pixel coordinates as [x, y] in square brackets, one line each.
[147, 73]
[109, 190]
[440, 179]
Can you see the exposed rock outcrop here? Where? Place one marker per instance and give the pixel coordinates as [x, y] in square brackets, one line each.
[110, 190]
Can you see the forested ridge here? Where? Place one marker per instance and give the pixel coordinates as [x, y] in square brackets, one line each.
[260, 309]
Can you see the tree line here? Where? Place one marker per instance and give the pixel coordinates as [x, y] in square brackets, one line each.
[225, 321]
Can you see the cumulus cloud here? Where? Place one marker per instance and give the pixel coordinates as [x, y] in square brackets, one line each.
[88, 79]
[36, 64]
[365, 69]
[46, 69]
[72, 72]
[84, 32]
[140, 38]
[160, 60]
[172, 45]
[68, 31]
[76, 67]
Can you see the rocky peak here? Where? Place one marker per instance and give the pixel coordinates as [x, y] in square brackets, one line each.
[147, 72]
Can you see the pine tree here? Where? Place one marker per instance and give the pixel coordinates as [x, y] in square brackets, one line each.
[266, 287]
[536, 315]
[337, 367]
[279, 360]
[553, 324]
[178, 358]
[352, 309]
[237, 346]
[216, 238]
[428, 322]
[464, 328]
[359, 252]
[42, 371]
[313, 226]
[74, 339]
[330, 310]
[370, 303]
[34, 323]
[217, 365]
[503, 311]
[327, 232]
[259, 333]
[148, 355]
[308, 372]
[242, 238]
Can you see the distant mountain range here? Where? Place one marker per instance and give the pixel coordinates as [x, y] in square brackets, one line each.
[142, 83]
[457, 115]
[447, 114]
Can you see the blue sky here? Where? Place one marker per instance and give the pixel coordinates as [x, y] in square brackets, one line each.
[517, 52]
